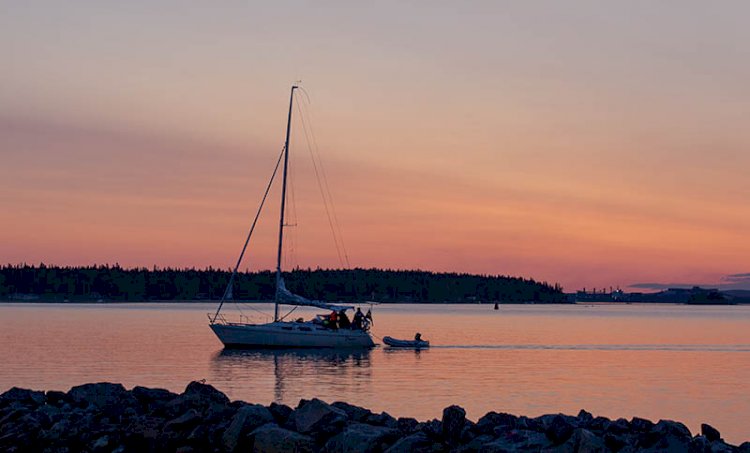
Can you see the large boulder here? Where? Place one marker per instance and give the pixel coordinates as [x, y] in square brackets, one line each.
[711, 433]
[415, 443]
[354, 413]
[517, 441]
[491, 420]
[361, 438]
[198, 396]
[110, 399]
[271, 438]
[246, 419]
[22, 396]
[559, 430]
[280, 412]
[317, 417]
[585, 441]
[454, 419]
[99, 395]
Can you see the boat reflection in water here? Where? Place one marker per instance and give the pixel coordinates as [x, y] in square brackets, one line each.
[253, 375]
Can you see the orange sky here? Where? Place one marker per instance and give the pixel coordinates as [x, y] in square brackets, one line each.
[586, 144]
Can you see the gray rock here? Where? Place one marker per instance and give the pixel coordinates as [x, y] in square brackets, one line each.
[184, 422]
[152, 397]
[517, 441]
[587, 442]
[432, 429]
[598, 424]
[271, 438]
[699, 444]
[280, 412]
[417, 443]
[721, 447]
[381, 419]
[246, 419]
[361, 438]
[205, 392]
[559, 430]
[473, 445]
[710, 432]
[621, 426]
[317, 416]
[584, 417]
[454, 419]
[23, 396]
[640, 424]
[407, 425]
[355, 413]
[491, 420]
[110, 399]
[677, 429]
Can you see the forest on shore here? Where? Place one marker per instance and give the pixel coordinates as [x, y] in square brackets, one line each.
[114, 283]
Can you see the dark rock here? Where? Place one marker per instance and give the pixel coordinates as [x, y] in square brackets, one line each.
[57, 398]
[271, 438]
[615, 442]
[559, 430]
[360, 437]
[517, 441]
[23, 396]
[152, 399]
[621, 426]
[416, 443]
[206, 392]
[699, 444]
[584, 417]
[744, 447]
[587, 442]
[677, 429]
[473, 445]
[598, 424]
[491, 420]
[318, 419]
[354, 413]
[407, 425]
[454, 419]
[640, 424]
[382, 419]
[107, 398]
[246, 419]
[721, 447]
[280, 412]
[198, 396]
[432, 429]
[184, 422]
[710, 432]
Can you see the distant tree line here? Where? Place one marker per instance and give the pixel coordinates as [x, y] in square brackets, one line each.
[115, 283]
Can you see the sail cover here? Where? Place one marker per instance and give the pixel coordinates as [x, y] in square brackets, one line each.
[284, 296]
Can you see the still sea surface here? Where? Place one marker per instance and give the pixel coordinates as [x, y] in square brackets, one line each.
[677, 362]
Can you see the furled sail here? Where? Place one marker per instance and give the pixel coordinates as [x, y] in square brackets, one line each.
[284, 296]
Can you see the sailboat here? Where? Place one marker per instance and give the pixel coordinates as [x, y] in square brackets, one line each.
[281, 333]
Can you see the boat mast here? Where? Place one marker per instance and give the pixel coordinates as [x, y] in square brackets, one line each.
[283, 203]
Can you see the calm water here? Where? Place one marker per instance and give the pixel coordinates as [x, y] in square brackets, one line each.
[676, 362]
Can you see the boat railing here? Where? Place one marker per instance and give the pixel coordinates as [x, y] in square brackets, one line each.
[243, 319]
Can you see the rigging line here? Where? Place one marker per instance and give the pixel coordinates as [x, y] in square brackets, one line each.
[250, 233]
[320, 185]
[290, 312]
[327, 187]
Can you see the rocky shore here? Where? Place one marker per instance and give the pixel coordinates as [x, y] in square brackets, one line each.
[106, 417]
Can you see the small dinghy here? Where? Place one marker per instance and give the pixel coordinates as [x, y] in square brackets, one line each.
[396, 343]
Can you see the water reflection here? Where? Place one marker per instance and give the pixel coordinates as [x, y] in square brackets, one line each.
[294, 372]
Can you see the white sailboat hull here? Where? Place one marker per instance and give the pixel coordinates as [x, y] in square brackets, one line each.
[289, 335]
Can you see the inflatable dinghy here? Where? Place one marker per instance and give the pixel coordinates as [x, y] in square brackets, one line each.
[396, 343]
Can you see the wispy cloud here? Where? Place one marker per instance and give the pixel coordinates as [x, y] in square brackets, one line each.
[727, 282]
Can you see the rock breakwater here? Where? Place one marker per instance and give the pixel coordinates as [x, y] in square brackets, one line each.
[106, 417]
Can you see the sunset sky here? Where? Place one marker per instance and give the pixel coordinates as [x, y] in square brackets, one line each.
[587, 143]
